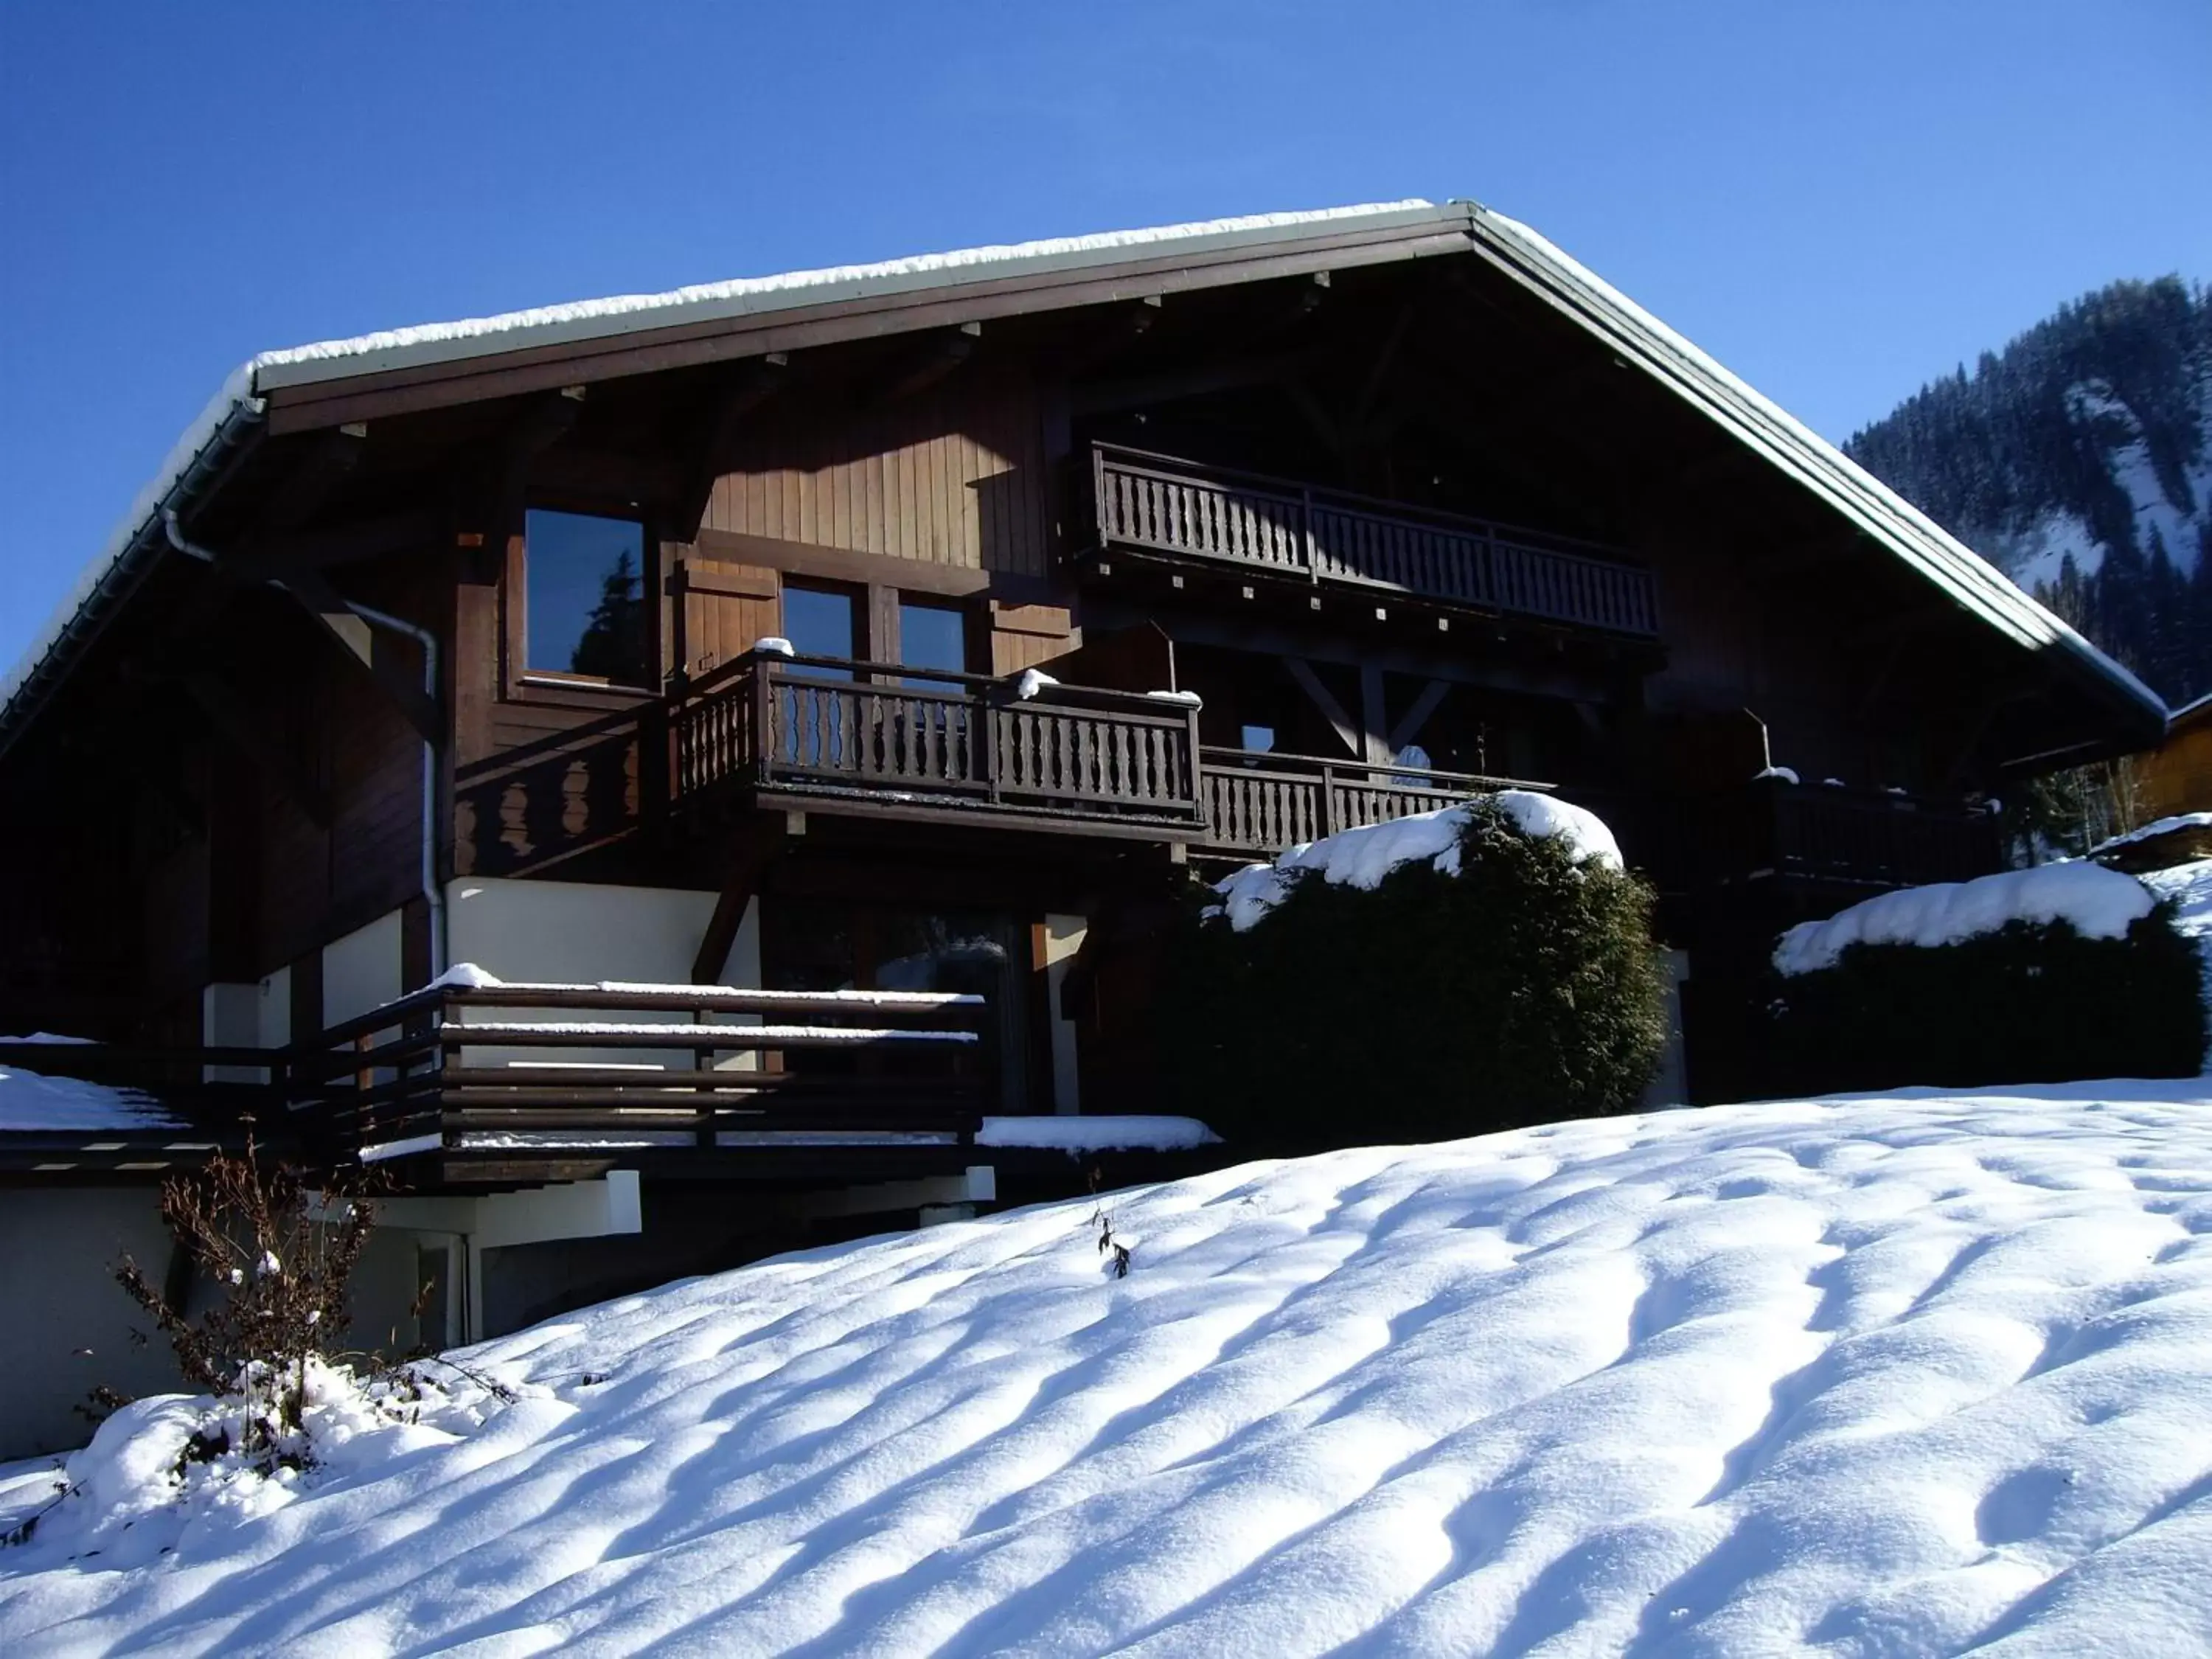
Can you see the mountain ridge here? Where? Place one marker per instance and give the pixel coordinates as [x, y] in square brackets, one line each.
[2078, 459]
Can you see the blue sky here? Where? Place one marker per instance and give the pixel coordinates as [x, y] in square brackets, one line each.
[1839, 200]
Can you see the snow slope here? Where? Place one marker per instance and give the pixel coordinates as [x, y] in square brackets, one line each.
[1898, 1376]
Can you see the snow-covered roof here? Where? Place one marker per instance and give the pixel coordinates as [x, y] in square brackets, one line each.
[31, 1103]
[1970, 580]
[2157, 827]
[1561, 281]
[2189, 710]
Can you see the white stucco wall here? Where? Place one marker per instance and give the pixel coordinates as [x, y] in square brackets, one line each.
[582, 932]
[275, 1018]
[585, 932]
[362, 969]
[68, 1323]
[1063, 937]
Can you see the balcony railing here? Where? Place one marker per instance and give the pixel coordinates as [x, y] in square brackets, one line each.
[513, 1071]
[826, 727]
[1277, 527]
[1871, 837]
[1259, 803]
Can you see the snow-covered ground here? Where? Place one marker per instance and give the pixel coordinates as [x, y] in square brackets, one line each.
[1913, 1375]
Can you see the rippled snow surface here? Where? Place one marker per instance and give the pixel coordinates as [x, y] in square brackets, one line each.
[1906, 1376]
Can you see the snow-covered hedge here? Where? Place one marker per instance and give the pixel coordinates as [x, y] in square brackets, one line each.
[1466, 970]
[2064, 972]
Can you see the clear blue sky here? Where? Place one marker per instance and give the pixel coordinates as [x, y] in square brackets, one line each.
[1839, 200]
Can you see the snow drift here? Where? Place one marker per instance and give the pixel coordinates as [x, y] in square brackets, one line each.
[1881, 1377]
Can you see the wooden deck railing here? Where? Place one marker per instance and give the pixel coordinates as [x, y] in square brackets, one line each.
[1262, 802]
[776, 722]
[514, 1070]
[1873, 837]
[1280, 527]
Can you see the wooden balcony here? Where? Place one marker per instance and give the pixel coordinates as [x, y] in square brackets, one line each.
[1849, 842]
[1158, 506]
[484, 1081]
[1259, 803]
[1868, 837]
[874, 737]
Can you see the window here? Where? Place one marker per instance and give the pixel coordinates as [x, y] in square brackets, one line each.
[1259, 739]
[819, 622]
[584, 604]
[932, 636]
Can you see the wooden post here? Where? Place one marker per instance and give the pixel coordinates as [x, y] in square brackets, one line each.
[764, 744]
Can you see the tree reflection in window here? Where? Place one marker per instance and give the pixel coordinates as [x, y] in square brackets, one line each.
[585, 600]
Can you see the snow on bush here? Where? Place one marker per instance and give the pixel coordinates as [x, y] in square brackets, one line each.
[173, 1465]
[2044, 976]
[2098, 903]
[1890, 1376]
[1362, 857]
[1461, 970]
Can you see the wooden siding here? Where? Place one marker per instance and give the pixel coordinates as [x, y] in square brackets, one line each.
[726, 608]
[561, 780]
[955, 475]
[2176, 777]
[1026, 635]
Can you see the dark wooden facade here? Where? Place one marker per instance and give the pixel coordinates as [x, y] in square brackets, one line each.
[1362, 500]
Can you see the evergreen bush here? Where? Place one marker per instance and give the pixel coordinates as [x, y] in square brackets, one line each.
[1524, 988]
[2035, 1002]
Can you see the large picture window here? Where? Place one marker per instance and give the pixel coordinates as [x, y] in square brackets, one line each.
[585, 606]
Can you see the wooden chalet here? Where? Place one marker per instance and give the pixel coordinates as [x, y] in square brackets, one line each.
[879, 645]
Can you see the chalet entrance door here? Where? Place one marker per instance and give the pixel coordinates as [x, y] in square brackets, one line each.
[833, 944]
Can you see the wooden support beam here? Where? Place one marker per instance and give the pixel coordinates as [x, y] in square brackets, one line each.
[1374, 722]
[744, 392]
[276, 556]
[1346, 729]
[1379, 372]
[758, 845]
[1140, 391]
[1409, 727]
[540, 423]
[331, 457]
[233, 716]
[359, 644]
[932, 362]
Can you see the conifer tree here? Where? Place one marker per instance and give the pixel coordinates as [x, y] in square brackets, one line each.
[612, 644]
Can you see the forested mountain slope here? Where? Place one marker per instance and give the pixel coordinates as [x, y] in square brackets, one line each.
[2077, 459]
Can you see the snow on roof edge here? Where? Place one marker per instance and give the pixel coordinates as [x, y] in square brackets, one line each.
[465, 336]
[236, 394]
[740, 296]
[1969, 578]
[1965, 574]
